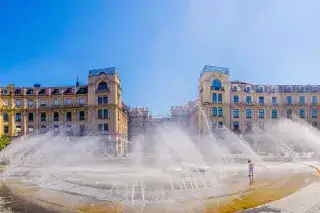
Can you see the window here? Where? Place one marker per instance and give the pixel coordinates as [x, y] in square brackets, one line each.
[216, 84]
[248, 126]
[288, 89]
[260, 89]
[248, 100]
[6, 117]
[68, 101]
[301, 99]
[105, 113]
[30, 116]
[105, 127]
[56, 116]
[214, 111]
[6, 129]
[289, 113]
[248, 113]
[236, 113]
[236, 126]
[214, 97]
[6, 102]
[102, 99]
[99, 113]
[102, 86]
[81, 116]
[30, 102]
[247, 89]
[261, 100]
[100, 127]
[261, 113]
[219, 98]
[18, 117]
[274, 100]
[18, 102]
[274, 114]
[42, 102]
[43, 116]
[55, 102]
[220, 112]
[68, 116]
[314, 99]
[235, 99]
[314, 113]
[235, 88]
[289, 99]
[81, 101]
[301, 113]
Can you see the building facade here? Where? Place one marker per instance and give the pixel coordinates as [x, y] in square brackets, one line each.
[240, 105]
[92, 109]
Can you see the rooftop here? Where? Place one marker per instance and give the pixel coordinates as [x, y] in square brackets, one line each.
[109, 70]
[209, 68]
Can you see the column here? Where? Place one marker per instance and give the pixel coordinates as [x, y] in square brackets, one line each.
[12, 123]
[1, 124]
[24, 123]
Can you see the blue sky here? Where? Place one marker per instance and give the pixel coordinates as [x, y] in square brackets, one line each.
[159, 47]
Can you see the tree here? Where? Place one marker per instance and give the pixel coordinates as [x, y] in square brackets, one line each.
[5, 140]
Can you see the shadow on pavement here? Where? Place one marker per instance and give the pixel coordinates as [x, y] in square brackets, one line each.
[264, 209]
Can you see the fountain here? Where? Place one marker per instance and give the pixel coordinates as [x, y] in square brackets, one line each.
[179, 170]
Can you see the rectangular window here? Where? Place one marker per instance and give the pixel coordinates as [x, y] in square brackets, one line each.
[314, 99]
[219, 98]
[100, 127]
[6, 129]
[68, 101]
[248, 100]
[105, 113]
[289, 113]
[236, 113]
[248, 113]
[18, 117]
[18, 102]
[274, 114]
[56, 116]
[289, 99]
[301, 113]
[99, 113]
[105, 127]
[261, 113]
[261, 100]
[214, 98]
[301, 100]
[68, 116]
[81, 116]
[55, 102]
[236, 99]
[214, 111]
[236, 125]
[6, 102]
[102, 99]
[274, 100]
[30, 116]
[42, 102]
[30, 102]
[220, 112]
[81, 101]
[314, 113]
[43, 116]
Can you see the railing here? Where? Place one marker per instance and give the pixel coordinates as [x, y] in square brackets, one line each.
[103, 89]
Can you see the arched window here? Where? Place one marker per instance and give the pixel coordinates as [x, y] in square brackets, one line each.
[5, 116]
[216, 84]
[103, 86]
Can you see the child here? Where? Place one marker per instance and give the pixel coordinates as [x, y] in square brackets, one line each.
[251, 166]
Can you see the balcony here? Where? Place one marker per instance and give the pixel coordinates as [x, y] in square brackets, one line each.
[249, 116]
[236, 116]
[261, 103]
[250, 103]
[100, 90]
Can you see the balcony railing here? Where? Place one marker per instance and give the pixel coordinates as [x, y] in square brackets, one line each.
[103, 89]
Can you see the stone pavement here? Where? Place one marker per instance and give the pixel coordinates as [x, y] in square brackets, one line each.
[305, 201]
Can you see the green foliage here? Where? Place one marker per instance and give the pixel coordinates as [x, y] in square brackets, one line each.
[5, 140]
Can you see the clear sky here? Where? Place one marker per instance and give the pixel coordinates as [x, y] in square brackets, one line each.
[159, 46]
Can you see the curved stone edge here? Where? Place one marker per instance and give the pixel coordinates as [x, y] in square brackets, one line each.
[34, 202]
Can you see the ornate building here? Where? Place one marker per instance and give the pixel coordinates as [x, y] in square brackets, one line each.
[239, 105]
[95, 108]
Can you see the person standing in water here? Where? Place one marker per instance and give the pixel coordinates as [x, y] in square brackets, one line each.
[251, 166]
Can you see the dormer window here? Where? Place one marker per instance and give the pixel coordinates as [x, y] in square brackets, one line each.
[5, 92]
[274, 88]
[248, 89]
[42, 92]
[301, 88]
[235, 88]
[260, 89]
[30, 92]
[288, 88]
[68, 91]
[17, 92]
